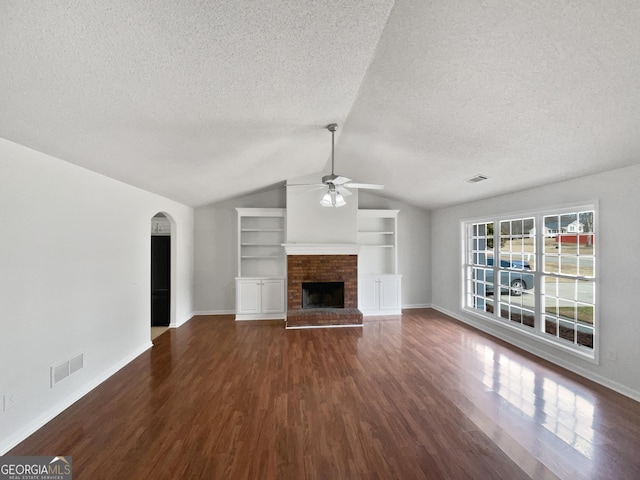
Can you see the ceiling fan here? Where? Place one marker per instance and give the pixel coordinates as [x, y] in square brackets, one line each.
[337, 184]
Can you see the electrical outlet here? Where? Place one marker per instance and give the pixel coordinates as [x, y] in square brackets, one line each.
[9, 401]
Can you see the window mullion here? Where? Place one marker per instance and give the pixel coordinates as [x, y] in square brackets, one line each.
[497, 291]
[537, 274]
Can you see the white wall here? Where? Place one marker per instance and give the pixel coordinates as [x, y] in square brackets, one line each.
[414, 247]
[75, 278]
[216, 249]
[618, 194]
[310, 222]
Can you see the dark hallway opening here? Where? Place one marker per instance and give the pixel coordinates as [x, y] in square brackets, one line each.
[160, 280]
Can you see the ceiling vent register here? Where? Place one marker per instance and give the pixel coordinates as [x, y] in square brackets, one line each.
[476, 179]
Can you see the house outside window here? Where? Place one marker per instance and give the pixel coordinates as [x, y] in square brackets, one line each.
[536, 273]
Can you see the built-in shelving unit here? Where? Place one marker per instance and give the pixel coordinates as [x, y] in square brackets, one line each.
[260, 284]
[379, 285]
[377, 237]
[261, 233]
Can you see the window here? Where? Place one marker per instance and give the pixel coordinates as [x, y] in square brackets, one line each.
[568, 282]
[516, 250]
[480, 277]
[535, 273]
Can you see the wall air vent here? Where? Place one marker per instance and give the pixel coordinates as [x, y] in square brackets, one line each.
[59, 372]
[63, 369]
[76, 363]
[476, 179]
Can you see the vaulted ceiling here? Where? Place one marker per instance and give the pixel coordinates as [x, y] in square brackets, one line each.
[201, 101]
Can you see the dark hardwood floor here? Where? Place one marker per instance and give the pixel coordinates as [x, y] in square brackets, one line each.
[420, 397]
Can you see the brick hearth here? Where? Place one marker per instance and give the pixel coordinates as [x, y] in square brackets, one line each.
[322, 268]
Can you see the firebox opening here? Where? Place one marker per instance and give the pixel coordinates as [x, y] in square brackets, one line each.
[323, 295]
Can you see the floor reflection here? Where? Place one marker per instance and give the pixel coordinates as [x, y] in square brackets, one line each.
[566, 414]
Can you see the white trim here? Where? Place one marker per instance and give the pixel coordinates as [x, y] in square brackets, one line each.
[380, 313]
[593, 354]
[321, 248]
[416, 305]
[260, 316]
[214, 312]
[177, 325]
[173, 266]
[262, 212]
[277, 277]
[350, 325]
[499, 322]
[558, 209]
[30, 428]
[377, 213]
[589, 375]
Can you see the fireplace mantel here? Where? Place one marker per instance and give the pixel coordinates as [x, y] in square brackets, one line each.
[321, 248]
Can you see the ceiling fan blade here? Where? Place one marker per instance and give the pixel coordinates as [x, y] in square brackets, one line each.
[370, 186]
[343, 191]
[340, 180]
[309, 190]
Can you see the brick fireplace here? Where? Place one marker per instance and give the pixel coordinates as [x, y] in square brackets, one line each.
[309, 268]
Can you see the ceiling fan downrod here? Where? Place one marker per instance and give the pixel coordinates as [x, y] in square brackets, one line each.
[332, 127]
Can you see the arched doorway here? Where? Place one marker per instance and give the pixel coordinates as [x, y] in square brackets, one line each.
[161, 230]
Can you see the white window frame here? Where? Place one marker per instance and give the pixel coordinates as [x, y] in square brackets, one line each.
[538, 331]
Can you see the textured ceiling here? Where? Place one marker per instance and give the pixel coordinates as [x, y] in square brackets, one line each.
[202, 101]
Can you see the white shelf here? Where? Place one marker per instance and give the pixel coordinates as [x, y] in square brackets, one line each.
[262, 229]
[379, 285]
[261, 233]
[260, 285]
[260, 244]
[377, 236]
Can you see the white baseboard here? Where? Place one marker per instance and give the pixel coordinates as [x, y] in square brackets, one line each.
[594, 377]
[215, 312]
[261, 316]
[232, 312]
[355, 325]
[380, 313]
[416, 305]
[179, 324]
[30, 428]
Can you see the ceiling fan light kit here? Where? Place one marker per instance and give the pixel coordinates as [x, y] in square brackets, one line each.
[334, 197]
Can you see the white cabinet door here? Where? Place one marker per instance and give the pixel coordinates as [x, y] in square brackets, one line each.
[368, 293]
[272, 296]
[260, 298]
[389, 293]
[248, 296]
[379, 294]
